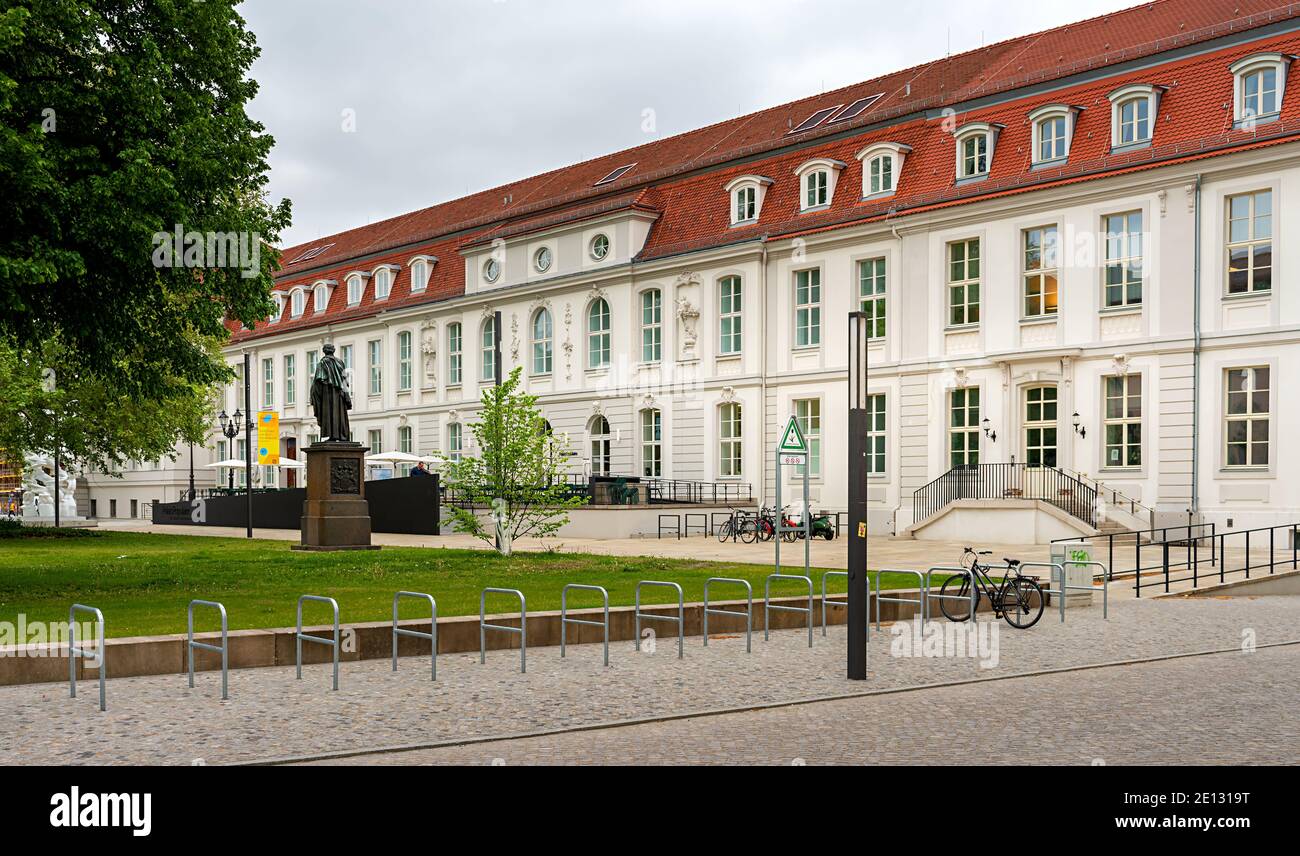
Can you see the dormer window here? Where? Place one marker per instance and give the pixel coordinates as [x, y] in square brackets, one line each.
[421, 267]
[383, 281]
[975, 143]
[279, 308]
[817, 180]
[297, 300]
[1133, 114]
[881, 165]
[320, 297]
[1258, 83]
[1053, 127]
[356, 284]
[747, 194]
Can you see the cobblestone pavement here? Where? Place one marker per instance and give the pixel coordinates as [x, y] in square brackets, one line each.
[160, 720]
[1216, 709]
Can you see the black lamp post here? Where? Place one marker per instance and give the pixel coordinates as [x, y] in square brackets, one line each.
[858, 425]
[230, 428]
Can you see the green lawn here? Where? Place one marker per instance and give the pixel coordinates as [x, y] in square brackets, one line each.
[142, 582]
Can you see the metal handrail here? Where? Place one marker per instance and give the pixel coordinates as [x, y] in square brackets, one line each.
[565, 621]
[844, 574]
[432, 635]
[301, 637]
[522, 629]
[223, 649]
[768, 605]
[680, 619]
[74, 652]
[748, 613]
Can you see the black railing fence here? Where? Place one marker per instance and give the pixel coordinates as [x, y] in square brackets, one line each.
[1126, 552]
[1244, 551]
[630, 490]
[700, 492]
[1007, 481]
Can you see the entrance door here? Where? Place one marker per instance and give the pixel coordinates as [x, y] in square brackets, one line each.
[600, 450]
[1040, 426]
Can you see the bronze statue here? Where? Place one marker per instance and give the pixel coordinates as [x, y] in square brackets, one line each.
[330, 399]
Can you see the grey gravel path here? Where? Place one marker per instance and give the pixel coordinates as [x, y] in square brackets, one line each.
[270, 715]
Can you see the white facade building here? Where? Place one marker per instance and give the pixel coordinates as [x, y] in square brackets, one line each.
[1109, 242]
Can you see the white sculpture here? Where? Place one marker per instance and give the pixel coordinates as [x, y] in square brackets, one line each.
[38, 489]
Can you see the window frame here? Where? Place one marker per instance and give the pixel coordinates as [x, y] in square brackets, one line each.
[1250, 243]
[599, 319]
[877, 435]
[1048, 268]
[731, 309]
[968, 430]
[405, 360]
[810, 423]
[290, 368]
[965, 283]
[1124, 421]
[268, 382]
[1246, 68]
[874, 302]
[1124, 261]
[731, 446]
[1249, 416]
[654, 445]
[455, 441]
[1123, 97]
[455, 353]
[375, 367]
[356, 288]
[487, 343]
[652, 331]
[807, 314]
[1041, 424]
[546, 343]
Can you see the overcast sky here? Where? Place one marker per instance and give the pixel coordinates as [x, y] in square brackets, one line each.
[448, 98]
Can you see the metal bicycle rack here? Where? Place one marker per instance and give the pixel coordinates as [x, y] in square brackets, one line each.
[748, 613]
[223, 649]
[333, 643]
[74, 652]
[681, 623]
[432, 635]
[1058, 567]
[565, 620]
[768, 605]
[522, 629]
[1105, 585]
[919, 600]
[825, 602]
[972, 597]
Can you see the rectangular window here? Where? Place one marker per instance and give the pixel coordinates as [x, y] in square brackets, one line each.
[376, 350]
[1123, 270]
[455, 441]
[652, 451]
[730, 301]
[808, 412]
[729, 446]
[290, 380]
[964, 282]
[598, 334]
[345, 354]
[1040, 260]
[1123, 422]
[487, 363]
[964, 427]
[376, 438]
[651, 326]
[312, 360]
[876, 434]
[268, 383]
[871, 295]
[453, 354]
[815, 189]
[1247, 417]
[404, 360]
[404, 439]
[808, 308]
[1250, 242]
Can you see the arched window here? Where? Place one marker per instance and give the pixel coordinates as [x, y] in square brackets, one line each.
[320, 297]
[419, 275]
[652, 328]
[598, 334]
[1133, 114]
[598, 429]
[1259, 82]
[975, 144]
[487, 352]
[355, 285]
[881, 164]
[454, 353]
[297, 300]
[542, 342]
[383, 283]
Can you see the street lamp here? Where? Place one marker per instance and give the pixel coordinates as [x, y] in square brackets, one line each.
[230, 428]
[859, 416]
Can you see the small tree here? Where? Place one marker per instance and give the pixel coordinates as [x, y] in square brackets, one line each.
[518, 475]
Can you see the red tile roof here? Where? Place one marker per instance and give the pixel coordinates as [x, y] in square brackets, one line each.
[1195, 119]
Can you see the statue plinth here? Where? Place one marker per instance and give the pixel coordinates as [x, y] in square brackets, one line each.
[336, 515]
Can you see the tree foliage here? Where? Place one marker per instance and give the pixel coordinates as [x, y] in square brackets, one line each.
[120, 120]
[519, 463]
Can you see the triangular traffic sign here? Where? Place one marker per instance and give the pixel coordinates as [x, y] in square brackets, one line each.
[792, 441]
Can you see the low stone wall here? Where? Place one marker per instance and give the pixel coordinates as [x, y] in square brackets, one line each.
[165, 655]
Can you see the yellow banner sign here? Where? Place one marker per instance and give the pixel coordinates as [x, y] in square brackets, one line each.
[268, 438]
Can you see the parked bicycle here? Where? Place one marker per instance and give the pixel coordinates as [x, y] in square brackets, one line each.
[1017, 598]
[736, 526]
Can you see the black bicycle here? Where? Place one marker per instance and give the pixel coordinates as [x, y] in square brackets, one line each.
[1018, 599]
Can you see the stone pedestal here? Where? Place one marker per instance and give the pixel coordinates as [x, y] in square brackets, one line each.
[336, 515]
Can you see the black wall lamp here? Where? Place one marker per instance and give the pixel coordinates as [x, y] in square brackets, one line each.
[1079, 429]
[988, 431]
